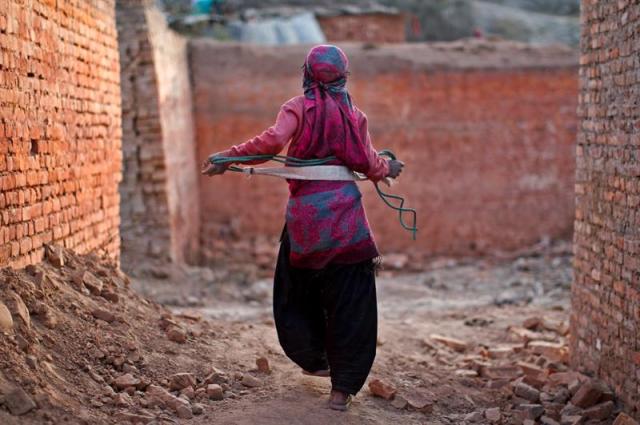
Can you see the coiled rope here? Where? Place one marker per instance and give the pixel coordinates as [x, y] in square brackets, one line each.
[395, 202]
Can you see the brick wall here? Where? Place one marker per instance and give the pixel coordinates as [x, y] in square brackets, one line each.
[178, 138]
[160, 214]
[60, 129]
[487, 131]
[368, 27]
[606, 290]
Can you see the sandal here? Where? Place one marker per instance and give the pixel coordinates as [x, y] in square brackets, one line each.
[322, 373]
[342, 407]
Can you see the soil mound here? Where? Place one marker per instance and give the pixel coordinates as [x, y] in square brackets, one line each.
[77, 345]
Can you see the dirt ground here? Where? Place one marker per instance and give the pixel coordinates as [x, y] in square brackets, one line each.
[475, 301]
[100, 352]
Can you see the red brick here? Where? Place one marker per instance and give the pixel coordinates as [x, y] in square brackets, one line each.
[154, 213]
[38, 162]
[604, 317]
[588, 394]
[437, 103]
[600, 411]
[624, 419]
[382, 389]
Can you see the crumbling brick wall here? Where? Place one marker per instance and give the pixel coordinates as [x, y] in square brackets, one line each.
[366, 27]
[606, 290]
[487, 131]
[160, 214]
[60, 128]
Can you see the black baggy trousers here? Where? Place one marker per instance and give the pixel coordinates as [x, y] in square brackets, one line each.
[327, 318]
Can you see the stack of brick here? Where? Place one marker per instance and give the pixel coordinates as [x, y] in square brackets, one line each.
[606, 291]
[60, 131]
[160, 214]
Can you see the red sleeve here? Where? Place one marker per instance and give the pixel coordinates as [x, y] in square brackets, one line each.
[273, 140]
[378, 166]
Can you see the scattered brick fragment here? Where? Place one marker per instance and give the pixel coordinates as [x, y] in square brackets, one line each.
[104, 315]
[134, 418]
[587, 395]
[493, 415]
[122, 400]
[571, 419]
[500, 372]
[530, 411]
[624, 419]
[382, 389]
[125, 381]
[262, 363]
[532, 323]
[18, 309]
[452, 343]
[527, 392]
[419, 402]
[184, 412]
[55, 255]
[565, 378]
[214, 392]
[177, 335]
[90, 281]
[18, 402]
[180, 381]
[600, 411]
[6, 320]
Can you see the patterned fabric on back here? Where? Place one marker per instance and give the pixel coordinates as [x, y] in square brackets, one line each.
[326, 221]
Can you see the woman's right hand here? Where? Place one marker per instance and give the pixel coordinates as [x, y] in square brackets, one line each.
[395, 168]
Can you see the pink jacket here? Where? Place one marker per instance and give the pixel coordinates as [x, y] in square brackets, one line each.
[326, 221]
[288, 126]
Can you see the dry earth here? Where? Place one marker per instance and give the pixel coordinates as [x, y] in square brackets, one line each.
[82, 346]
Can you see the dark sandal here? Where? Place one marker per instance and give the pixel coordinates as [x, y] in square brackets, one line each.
[342, 407]
[322, 373]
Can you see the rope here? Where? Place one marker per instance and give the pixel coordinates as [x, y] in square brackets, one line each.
[296, 162]
[413, 228]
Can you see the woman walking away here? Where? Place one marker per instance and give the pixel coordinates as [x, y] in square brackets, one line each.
[324, 298]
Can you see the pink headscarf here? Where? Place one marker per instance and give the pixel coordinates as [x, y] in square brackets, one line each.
[331, 123]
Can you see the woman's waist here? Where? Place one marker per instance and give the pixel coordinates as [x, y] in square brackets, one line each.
[303, 188]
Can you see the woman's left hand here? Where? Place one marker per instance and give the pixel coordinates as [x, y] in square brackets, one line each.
[209, 169]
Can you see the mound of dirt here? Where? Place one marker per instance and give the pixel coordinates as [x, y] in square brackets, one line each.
[77, 345]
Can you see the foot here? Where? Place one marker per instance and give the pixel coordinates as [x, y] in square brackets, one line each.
[339, 400]
[322, 373]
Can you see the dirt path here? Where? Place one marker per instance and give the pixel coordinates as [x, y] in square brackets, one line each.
[459, 343]
[488, 298]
